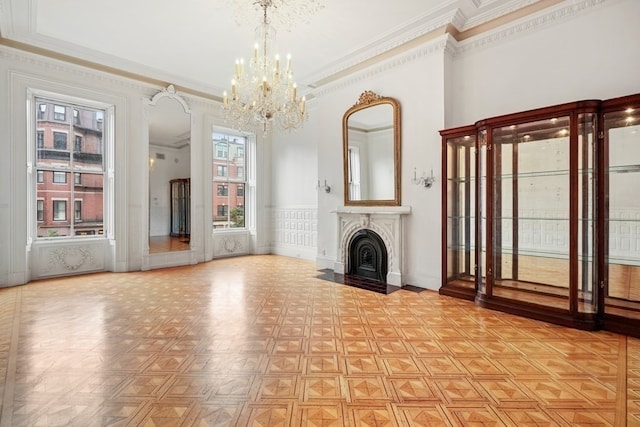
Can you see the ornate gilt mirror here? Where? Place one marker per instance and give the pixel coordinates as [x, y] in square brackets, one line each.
[371, 144]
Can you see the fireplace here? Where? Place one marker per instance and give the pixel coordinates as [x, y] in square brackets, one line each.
[368, 256]
[370, 238]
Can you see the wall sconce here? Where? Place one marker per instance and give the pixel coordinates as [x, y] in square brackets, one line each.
[325, 187]
[425, 181]
[151, 162]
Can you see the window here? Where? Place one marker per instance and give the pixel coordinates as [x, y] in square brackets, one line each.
[40, 137]
[72, 158]
[59, 113]
[42, 111]
[59, 210]
[40, 210]
[222, 149]
[77, 212]
[354, 173]
[59, 177]
[59, 140]
[229, 180]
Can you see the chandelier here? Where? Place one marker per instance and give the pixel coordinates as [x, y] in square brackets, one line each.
[265, 93]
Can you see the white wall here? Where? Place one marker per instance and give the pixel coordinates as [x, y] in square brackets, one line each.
[294, 178]
[22, 260]
[575, 50]
[416, 80]
[567, 54]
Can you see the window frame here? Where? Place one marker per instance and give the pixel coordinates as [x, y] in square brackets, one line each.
[40, 209]
[59, 116]
[54, 202]
[224, 171]
[77, 213]
[38, 102]
[58, 174]
[56, 143]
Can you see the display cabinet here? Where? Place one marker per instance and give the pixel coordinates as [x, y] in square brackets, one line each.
[180, 207]
[541, 217]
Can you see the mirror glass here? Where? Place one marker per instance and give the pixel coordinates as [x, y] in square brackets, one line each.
[371, 133]
[169, 173]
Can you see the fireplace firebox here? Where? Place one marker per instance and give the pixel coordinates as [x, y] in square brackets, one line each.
[368, 256]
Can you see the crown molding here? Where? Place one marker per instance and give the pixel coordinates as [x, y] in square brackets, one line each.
[143, 85]
[532, 22]
[423, 25]
[492, 14]
[439, 45]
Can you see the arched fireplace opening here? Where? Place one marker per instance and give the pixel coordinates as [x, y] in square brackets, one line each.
[367, 256]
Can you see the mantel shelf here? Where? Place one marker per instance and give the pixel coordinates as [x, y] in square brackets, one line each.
[374, 210]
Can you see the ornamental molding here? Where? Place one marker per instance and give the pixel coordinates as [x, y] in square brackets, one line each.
[530, 23]
[447, 44]
[437, 46]
[494, 13]
[350, 226]
[46, 64]
[71, 258]
[421, 26]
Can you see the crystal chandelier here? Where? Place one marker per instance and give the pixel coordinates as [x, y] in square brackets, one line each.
[266, 92]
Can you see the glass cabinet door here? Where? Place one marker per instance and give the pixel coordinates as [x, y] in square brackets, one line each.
[459, 160]
[530, 223]
[622, 217]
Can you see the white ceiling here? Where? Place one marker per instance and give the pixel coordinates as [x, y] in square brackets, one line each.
[193, 43]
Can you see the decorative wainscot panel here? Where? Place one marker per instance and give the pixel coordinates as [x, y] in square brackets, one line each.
[66, 258]
[230, 244]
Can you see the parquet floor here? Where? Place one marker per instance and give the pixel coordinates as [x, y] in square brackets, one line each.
[261, 341]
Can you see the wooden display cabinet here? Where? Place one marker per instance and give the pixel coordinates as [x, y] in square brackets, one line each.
[541, 214]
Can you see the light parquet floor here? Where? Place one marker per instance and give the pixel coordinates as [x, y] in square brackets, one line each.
[261, 341]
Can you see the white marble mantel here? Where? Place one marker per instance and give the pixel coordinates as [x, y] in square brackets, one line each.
[386, 221]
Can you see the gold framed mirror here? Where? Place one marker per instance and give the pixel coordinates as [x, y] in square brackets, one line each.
[371, 151]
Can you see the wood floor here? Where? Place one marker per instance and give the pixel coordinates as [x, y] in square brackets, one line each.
[263, 341]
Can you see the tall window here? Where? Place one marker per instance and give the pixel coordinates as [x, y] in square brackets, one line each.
[354, 174]
[229, 180]
[77, 210]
